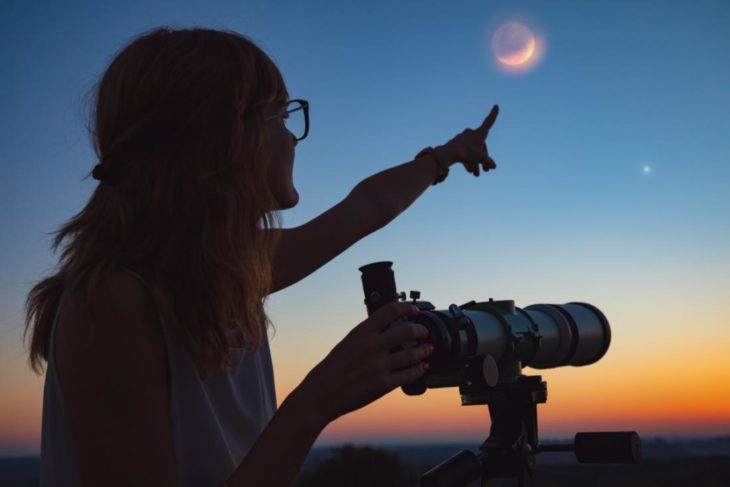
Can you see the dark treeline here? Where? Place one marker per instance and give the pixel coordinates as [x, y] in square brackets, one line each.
[700, 463]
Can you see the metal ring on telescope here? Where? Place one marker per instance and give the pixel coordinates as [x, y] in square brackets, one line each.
[498, 314]
[440, 337]
[573, 327]
[604, 323]
[566, 328]
[534, 328]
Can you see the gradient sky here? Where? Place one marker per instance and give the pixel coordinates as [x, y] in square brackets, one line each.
[569, 215]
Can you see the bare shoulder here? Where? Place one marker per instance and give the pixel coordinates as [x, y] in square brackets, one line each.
[119, 312]
[111, 362]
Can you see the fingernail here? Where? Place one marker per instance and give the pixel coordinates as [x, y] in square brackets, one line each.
[430, 347]
[415, 309]
[423, 329]
[424, 366]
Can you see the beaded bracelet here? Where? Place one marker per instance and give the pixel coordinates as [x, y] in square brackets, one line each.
[429, 151]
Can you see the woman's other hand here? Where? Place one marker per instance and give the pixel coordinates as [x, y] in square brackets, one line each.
[470, 147]
[367, 364]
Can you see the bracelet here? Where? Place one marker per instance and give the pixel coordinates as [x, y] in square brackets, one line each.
[429, 151]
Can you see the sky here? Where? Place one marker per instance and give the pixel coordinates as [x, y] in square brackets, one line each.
[611, 187]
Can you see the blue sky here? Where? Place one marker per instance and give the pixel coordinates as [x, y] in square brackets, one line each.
[568, 215]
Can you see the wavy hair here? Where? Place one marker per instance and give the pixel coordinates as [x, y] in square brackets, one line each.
[177, 119]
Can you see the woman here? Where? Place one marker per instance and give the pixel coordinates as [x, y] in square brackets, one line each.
[153, 326]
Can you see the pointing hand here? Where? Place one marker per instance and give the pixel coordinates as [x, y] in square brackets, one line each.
[470, 147]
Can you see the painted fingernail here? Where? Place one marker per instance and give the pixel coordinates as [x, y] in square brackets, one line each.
[430, 347]
[424, 366]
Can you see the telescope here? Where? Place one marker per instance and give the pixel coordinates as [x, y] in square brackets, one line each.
[481, 348]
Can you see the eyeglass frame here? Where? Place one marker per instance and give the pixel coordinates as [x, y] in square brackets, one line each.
[304, 106]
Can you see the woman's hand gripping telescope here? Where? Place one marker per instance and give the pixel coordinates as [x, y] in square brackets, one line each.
[367, 364]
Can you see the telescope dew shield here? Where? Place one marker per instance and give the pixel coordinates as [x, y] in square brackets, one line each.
[571, 334]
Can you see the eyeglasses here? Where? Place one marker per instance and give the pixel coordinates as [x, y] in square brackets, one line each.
[296, 118]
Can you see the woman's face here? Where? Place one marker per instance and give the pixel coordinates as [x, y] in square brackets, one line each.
[282, 156]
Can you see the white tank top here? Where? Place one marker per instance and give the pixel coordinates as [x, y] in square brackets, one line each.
[215, 421]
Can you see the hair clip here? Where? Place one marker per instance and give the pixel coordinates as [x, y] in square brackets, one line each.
[103, 172]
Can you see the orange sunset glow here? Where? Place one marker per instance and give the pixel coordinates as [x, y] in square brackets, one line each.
[673, 387]
[663, 375]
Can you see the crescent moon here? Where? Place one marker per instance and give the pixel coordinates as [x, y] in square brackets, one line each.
[520, 56]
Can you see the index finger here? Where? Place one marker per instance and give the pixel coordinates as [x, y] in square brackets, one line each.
[388, 313]
[489, 121]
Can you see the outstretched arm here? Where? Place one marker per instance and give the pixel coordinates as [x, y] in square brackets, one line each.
[372, 204]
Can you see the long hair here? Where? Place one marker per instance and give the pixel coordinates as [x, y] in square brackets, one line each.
[177, 119]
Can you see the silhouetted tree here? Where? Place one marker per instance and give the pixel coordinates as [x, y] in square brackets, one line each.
[351, 466]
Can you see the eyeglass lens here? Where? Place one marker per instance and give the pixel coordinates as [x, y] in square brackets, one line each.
[294, 119]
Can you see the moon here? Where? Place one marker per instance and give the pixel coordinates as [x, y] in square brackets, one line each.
[513, 44]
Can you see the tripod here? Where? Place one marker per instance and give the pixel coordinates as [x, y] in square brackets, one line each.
[513, 442]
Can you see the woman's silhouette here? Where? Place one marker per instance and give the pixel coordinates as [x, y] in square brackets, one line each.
[153, 325]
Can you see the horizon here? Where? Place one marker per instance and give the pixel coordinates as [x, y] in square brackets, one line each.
[611, 187]
[469, 443]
